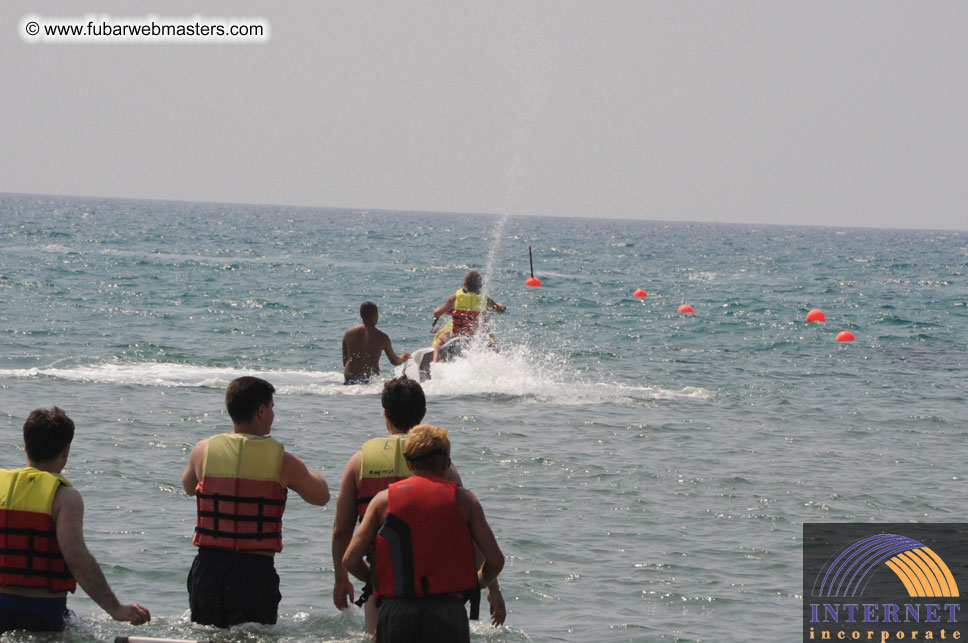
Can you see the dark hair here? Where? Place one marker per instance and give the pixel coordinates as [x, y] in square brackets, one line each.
[473, 281]
[245, 395]
[404, 402]
[46, 433]
[367, 310]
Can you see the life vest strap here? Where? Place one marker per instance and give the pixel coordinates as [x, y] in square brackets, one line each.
[36, 572]
[224, 534]
[474, 596]
[365, 594]
[7, 551]
[28, 531]
[220, 497]
[239, 517]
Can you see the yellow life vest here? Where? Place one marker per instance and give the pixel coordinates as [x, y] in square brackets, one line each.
[29, 553]
[381, 464]
[448, 328]
[470, 310]
[240, 500]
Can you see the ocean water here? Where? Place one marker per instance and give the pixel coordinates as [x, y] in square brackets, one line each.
[647, 473]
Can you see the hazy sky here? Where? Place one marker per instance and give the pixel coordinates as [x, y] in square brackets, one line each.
[828, 113]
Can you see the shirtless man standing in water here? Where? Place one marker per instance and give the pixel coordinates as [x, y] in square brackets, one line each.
[362, 346]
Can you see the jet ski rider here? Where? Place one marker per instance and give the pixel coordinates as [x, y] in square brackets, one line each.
[469, 312]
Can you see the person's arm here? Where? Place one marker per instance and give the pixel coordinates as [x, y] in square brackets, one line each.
[308, 484]
[364, 536]
[483, 538]
[445, 308]
[395, 359]
[346, 352]
[68, 515]
[193, 469]
[343, 531]
[496, 306]
[495, 599]
[452, 475]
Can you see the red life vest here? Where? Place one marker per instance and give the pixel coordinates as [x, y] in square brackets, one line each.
[29, 553]
[470, 309]
[424, 548]
[239, 498]
[381, 464]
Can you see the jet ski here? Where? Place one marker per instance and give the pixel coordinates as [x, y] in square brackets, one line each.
[418, 366]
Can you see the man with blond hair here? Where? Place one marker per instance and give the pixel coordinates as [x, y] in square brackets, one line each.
[424, 530]
[379, 463]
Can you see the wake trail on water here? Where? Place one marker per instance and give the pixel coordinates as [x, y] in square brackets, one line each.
[518, 373]
[163, 374]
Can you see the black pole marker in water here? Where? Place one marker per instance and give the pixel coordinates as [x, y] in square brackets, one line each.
[532, 280]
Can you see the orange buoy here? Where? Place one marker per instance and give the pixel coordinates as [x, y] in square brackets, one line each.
[816, 315]
[640, 293]
[686, 308]
[845, 336]
[532, 281]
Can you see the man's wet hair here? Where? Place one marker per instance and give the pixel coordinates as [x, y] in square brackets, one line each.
[245, 395]
[367, 310]
[404, 402]
[46, 433]
[473, 281]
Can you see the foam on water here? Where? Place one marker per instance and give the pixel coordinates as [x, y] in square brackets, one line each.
[172, 375]
[518, 372]
[521, 372]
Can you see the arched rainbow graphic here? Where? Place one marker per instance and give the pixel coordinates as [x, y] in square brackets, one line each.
[922, 572]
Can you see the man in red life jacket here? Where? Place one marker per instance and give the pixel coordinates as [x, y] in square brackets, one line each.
[425, 529]
[42, 550]
[468, 309]
[362, 345]
[379, 463]
[240, 480]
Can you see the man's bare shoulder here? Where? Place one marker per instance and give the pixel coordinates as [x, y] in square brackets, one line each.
[198, 451]
[352, 468]
[354, 333]
[466, 498]
[371, 339]
[379, 335]
[467, 503]
[67, 502]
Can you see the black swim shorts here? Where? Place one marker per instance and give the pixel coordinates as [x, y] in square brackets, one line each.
[226, 588]
[423, 620]
[32, 614]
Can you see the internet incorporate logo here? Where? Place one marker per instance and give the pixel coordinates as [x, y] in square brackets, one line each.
[883, 582]
[922, 571]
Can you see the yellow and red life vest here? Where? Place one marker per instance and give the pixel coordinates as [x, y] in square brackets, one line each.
[381, 464]
[240, 500]
[470, 311]
[29, 553]
[424, 548]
